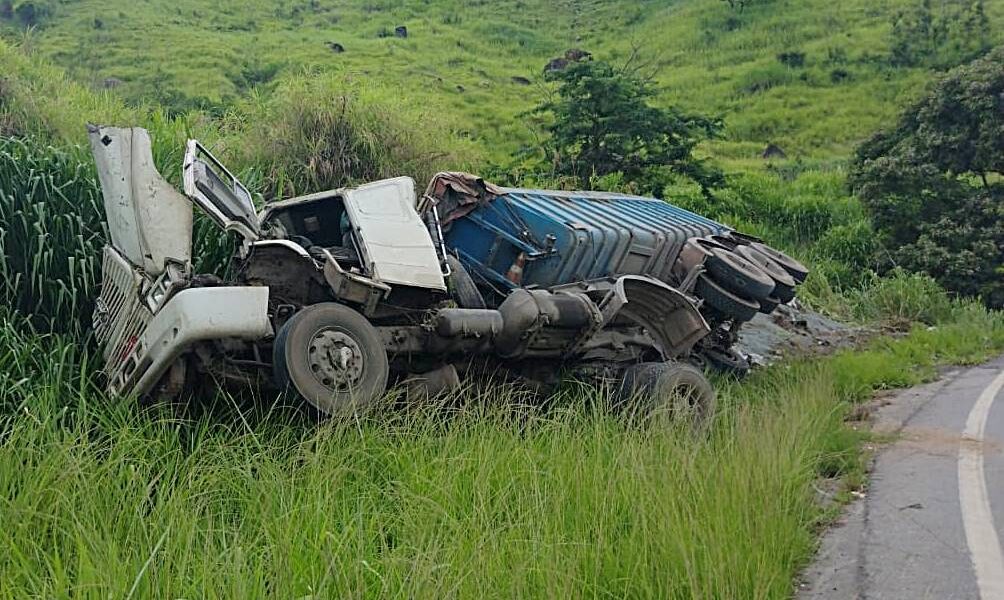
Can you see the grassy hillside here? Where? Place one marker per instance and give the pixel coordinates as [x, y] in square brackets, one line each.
[461, 58]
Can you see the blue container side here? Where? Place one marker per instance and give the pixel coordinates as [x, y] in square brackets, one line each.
[594, 235]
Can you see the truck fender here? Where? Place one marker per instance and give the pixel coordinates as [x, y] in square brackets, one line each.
[670, 317]
[192, 316]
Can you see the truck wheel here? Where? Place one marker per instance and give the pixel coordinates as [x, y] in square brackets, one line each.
[769, 305]
[332, 357]
[797, 270]
[462, 285]
[733, 306]
[739, 275]
[669, 389]
[767, 265]
[784, 293]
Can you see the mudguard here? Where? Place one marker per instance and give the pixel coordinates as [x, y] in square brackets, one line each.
[668, 315]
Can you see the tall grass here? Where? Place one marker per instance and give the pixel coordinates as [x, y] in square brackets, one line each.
[478, 497]
[52, 233]
[322, 132]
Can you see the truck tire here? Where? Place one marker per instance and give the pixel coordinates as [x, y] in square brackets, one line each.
[332, 357]
[769, 305]
[739, 275]
[462, 287]
[797, 270]
[733, 306]
[767, 265]
[667, 389]
[784, 293]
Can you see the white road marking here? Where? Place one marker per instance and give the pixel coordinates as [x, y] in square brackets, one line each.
[978, 520]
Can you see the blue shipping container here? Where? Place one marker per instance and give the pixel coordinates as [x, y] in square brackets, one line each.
[564, 237]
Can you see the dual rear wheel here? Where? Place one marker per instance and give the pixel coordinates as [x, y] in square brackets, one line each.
[745, 278]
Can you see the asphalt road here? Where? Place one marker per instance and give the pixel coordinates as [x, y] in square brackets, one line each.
[931, 520]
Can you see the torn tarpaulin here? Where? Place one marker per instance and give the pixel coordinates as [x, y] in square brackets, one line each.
[456, 194]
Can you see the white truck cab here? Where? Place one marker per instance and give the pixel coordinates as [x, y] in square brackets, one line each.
[149, 313]
[379, 220]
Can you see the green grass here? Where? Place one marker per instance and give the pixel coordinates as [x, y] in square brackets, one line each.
[188, 53]
[485, 497]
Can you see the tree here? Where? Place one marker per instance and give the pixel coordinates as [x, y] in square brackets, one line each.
[601, 124]
[934, 184]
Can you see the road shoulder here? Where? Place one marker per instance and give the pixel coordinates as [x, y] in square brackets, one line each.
[904, 537]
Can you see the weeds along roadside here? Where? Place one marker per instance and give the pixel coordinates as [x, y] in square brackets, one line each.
[488, 493]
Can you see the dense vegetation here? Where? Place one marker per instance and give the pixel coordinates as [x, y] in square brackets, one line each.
[485, 494]
[934, 184]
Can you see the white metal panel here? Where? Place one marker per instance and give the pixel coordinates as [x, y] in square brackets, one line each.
[192, 316]
[149, 221]
[394, 242]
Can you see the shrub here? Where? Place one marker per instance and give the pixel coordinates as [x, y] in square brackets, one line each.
[792, 59]
[316, 133]
[933, 184]
[903, 297]
[31, 13]
[853, 244]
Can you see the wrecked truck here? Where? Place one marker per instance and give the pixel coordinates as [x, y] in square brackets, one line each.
[338, 295]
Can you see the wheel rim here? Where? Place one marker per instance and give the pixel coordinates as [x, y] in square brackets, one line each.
[335, 359]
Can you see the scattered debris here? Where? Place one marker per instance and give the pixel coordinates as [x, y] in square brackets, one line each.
[791, 330]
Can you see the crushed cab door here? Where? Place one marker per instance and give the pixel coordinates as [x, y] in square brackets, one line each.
[394, 242]
[221, 195]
